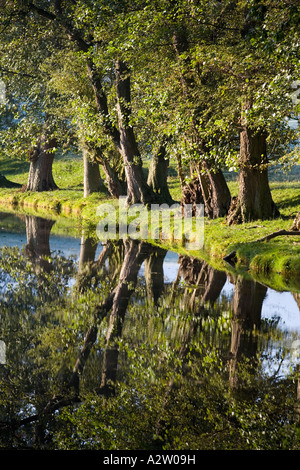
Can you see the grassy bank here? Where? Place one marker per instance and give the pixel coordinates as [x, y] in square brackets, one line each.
[279, 256]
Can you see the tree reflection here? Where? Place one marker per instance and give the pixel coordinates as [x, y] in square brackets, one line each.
[179, 360]
[246, 307]
[207, 281]
[38, 241]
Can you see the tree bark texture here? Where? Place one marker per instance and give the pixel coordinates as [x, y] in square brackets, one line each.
[158, 175]
[254, 200]
[138, 190]
[192, 194]
[40, 177]
[115, 186]
[114, 172]
[296, 223]
[215, 191]
[92, 181]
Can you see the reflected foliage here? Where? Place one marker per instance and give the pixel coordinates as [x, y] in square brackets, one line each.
[104, 352]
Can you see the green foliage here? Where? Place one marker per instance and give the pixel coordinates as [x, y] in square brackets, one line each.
[177, 385]
[192, 65]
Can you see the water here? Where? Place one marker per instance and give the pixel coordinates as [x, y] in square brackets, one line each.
[128, 346]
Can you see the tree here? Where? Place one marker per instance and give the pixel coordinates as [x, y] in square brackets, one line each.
[158, 173]
[215, 192]
[235, 64]
[196, 81]
[264, 76]
[92, 180]
[123, 138]
[34, 131]
[40, 177]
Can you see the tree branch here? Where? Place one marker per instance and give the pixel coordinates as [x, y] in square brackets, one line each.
[100, 96]
[12, 72]
[41, 11]
[277, 234]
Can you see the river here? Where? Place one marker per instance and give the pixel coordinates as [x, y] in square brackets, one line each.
[129, 346]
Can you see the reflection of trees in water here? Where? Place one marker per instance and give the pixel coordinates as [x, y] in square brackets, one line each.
[115, 274]
[38, 241]
[207, 281]
[246, 315]
[154, 274]
[297, 298]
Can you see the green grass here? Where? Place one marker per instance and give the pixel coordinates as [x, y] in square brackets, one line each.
[278, 256]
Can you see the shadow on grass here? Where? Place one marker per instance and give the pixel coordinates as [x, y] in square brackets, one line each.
[290, 202]
[13, 167]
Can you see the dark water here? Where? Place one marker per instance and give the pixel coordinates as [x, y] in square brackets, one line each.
[128, 346]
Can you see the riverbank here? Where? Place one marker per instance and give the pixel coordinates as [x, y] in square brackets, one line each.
[278, 258]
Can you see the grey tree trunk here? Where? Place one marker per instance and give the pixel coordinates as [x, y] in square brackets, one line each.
[115, 185]
[114, 172]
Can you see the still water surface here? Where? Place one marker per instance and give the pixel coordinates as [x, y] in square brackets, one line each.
[129, 346]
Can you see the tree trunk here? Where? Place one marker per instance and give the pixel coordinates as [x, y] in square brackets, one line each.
[138, 190]
[114, 172]
[115, 186]
[296, 223]
[123, 138]
[40, 177]
[215, 191]
[254, 200]
[158, 175]
[180, 171]
[192, 194]
[92, 181]
[5, 183]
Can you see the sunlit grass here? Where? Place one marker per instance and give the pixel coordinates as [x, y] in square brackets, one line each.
[278, 255]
